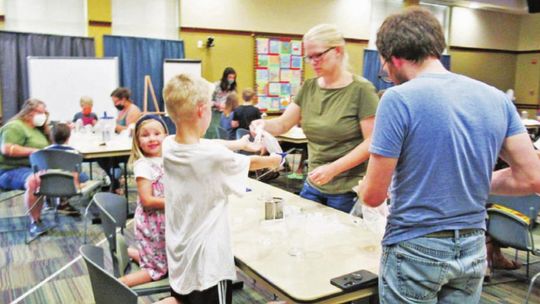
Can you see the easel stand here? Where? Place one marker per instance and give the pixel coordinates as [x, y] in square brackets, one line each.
[148, 86]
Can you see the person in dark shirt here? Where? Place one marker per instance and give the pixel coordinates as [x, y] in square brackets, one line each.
[86, 115]
[244, 114]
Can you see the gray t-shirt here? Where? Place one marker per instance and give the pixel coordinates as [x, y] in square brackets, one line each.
[447, 131]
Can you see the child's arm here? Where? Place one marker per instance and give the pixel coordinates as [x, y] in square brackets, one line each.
[144, 188]
[260, 162]
[240, 144]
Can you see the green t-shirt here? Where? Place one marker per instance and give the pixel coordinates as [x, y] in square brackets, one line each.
[19, 133]
[330, 119]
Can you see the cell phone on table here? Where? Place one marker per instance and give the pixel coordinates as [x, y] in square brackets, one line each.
[355, 280]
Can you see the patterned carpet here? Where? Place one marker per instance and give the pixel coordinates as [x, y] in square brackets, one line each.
[24, 266]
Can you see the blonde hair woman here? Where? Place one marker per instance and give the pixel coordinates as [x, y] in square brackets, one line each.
[336, 110]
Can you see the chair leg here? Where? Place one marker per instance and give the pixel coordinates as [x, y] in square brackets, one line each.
[528, 262]
[531, 285]
[85, 219]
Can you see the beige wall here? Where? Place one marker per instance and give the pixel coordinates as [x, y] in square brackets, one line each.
[484, 29]
[527, 78]
[496, 69]
[529, 34]
[278, 16]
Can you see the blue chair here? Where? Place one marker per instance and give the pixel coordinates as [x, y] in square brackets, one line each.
[511, 230]
[56, 170]
[222, 133]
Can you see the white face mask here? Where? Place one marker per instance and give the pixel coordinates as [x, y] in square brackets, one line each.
[39, 120]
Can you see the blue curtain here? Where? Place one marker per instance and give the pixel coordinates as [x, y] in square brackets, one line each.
[372, 66]
[139, 57]
[15, 47]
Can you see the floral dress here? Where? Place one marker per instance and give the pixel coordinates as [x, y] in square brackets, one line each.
[150, 223]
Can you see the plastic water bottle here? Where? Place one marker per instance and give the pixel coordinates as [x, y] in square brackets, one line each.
[78, 125]
[106, 127]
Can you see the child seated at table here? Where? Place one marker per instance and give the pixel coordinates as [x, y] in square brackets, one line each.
[199, 176]
[86, 115]
[248, 112]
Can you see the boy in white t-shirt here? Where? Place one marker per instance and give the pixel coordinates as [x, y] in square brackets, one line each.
[199, 176]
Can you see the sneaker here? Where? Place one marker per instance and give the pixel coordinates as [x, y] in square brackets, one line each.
[67, 209]
[37, 229]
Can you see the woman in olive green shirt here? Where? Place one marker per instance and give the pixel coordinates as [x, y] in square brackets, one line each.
[336, 111]
[22, 135]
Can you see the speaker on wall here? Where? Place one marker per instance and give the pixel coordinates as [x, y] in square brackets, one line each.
[534, 6]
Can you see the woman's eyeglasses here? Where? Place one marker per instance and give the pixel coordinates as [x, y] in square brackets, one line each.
[383, 75]
[318, 56]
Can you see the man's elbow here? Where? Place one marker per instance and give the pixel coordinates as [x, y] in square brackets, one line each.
[372, 199]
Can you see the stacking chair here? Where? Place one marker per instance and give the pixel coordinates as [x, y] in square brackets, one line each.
[124, 263]
[106, 288]
[222, 133]
[113, 214]
[55, 169]
[240, 132]
[514, 229]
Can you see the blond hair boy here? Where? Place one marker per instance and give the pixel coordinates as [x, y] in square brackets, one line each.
[199, 176]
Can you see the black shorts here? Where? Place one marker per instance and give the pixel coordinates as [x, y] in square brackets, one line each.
[218, 294]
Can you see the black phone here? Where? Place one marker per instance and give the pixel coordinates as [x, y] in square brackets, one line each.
[355, 280]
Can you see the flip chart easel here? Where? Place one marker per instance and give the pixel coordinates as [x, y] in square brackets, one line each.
[149, 87]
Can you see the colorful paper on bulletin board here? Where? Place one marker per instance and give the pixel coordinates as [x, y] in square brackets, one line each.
[285, 48]
[273, 61]
[285, 89]
[274, 89]
[262, 75]
[264, 102]
[296, 76]
[262, 45]
[262, 88]
[296, 47]
[274, 46]
[275, 104]
[273, 74]
[285, 75]
[296, 62]
[262, 60]
[285, 61]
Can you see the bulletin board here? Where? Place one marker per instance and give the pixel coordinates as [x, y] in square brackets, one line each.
[279, 66]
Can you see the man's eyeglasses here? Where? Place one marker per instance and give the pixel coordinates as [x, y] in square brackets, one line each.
[318, 56]
[383, 75]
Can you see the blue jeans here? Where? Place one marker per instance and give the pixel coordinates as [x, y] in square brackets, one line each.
[433, 270]
[14, 179]
[341, 201]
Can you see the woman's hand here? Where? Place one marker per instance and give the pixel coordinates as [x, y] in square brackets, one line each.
[256, 125]
[322, 175]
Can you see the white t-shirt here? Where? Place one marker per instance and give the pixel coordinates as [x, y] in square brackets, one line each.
[198, 180]
[149, 168]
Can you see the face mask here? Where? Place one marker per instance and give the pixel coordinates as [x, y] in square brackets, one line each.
[39, 120]
[86, 111]
[230, 81]
[119, 107]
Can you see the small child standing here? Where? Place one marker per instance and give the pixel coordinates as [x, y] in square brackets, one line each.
[199, 177]
[231, 103]
[86, 115]
[247, 112]
[150, 130]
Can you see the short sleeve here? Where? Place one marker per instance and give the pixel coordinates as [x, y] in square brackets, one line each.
[235, 169]
[368, 101]
[13, 134]
[391, 125]
[142, 168]
[515, 125]
[77, 116]
[299, 98]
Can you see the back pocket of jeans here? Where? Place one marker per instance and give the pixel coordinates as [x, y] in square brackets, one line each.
[418, 278]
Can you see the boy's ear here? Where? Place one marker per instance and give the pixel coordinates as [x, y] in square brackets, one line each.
[200, 110]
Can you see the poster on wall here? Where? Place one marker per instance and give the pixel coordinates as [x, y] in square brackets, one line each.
[278, 71]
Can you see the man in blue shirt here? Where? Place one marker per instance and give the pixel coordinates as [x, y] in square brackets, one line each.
[436, 139]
